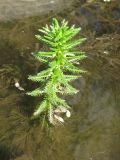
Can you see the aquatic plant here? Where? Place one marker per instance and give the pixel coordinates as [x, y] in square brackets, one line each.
[61, 61]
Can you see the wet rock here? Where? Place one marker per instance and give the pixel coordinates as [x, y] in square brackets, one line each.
[13, 9]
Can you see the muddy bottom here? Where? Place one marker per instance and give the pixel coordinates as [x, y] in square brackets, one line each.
[93, 131]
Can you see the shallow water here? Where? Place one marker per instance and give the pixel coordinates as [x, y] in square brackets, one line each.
[92, 132]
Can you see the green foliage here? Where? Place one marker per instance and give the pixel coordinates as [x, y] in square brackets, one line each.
[62, 61]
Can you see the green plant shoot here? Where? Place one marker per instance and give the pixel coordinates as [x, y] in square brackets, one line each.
[61, 61]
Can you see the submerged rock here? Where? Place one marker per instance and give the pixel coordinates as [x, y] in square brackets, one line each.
[13, 9]
[101, 18]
